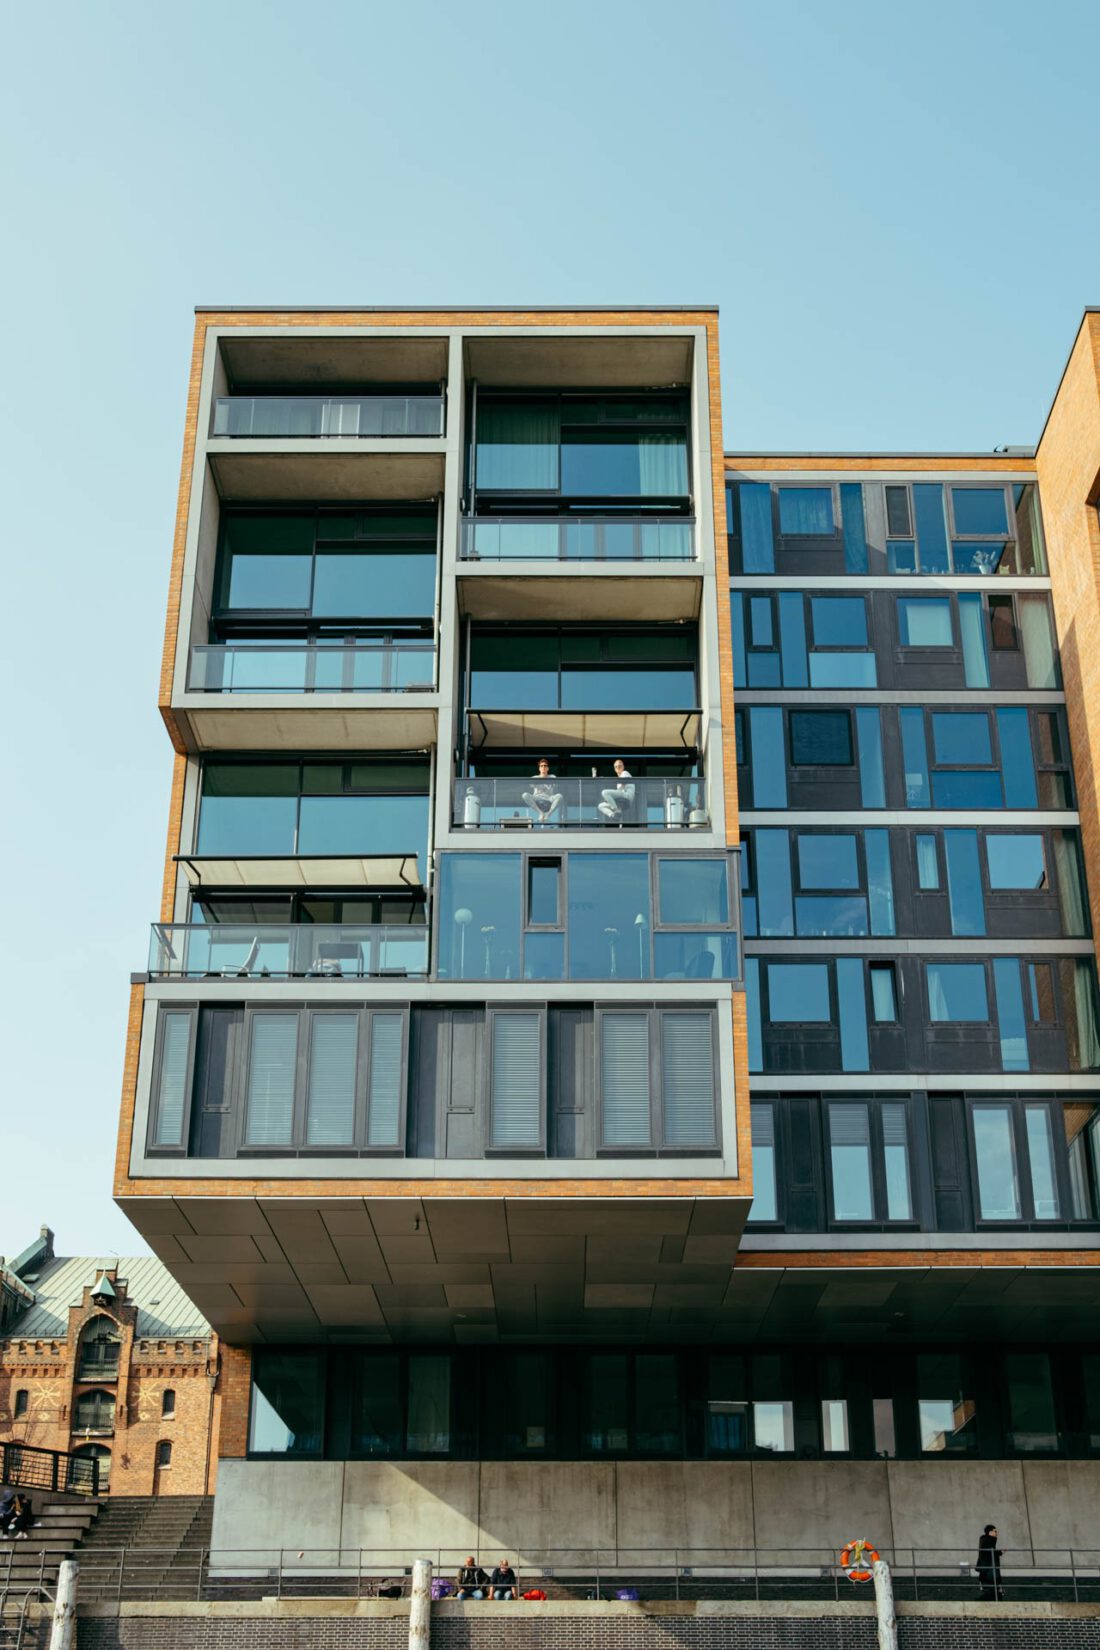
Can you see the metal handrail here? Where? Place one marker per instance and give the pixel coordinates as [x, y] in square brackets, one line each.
[308, 417]
[313, 667]
[613, 539]
[28, 1466]
[581, 1573]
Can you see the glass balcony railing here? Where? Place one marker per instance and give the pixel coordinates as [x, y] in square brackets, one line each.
[579, 538]
[254, 951]
[301, 417]
[296, 667]
[579, 804]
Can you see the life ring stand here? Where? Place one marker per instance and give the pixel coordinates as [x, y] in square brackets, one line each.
[856, 1560]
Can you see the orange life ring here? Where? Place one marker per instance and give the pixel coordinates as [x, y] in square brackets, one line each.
[856, 1559]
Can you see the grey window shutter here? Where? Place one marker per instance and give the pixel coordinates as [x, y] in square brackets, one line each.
[624, 1079]
[172, 1098]
[516, 1099]
[687, 1079]
[332, 1050]
[763, 1125]
[894, 1131]
[849, 1125]
[384, 1091]
[271, 1072]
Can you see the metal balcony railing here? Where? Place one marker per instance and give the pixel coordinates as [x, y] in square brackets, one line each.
[298, 417]
[298, 667]
[647, 538]
[275, 951]
[581, 804]
[25, 1466]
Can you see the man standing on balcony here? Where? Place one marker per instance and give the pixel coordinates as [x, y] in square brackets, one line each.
[618, 797]
[543, 799]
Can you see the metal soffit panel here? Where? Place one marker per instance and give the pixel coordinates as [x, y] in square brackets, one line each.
[550, 1269]
[302, 871]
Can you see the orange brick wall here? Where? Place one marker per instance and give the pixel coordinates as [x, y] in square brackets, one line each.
[1068, 463]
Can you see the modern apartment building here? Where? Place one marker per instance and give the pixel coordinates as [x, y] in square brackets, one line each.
[564, 1160]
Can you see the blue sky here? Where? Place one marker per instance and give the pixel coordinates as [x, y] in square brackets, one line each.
[895, 208]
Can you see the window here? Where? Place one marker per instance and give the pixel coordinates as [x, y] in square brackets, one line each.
[333, 1065]
[687, 1079]
[899, 521]
[798, 993]
[371, 566]
[961, 739]
[543, 893]
[884, 993]
[624, 1079]
[428, 1426]
[925, 621]
[764, 1180]
[579, 669]
[583, 446]
[806, 512]
[287, 1401]
[819, 738]
[172, 1086]
[827, 861]
[94, 1412]
[99, 1346]
[608, 1430]
[945, 1412]
[869, 1160]
[957, 992]
[772, 1408]
[995, 1160]
[272, 1064]
[834, 1407]
[657, 1065]
[693, 891]
[164, 1453]
[326, 808]
[928, 864]
[1032, 1428]
[1016, 862]
[1002, 624]
[167, 1403]
[839, 621]
[979, 512]
[841, 656]
[964, 883]
[850, 1154]
[20, 1408]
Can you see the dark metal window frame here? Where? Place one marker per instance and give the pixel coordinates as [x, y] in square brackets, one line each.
[880, 1218]
[1016, 1104]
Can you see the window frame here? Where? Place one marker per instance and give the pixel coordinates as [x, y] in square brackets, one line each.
[1017, 1105]
[804, 539]
[987, 486]
[164, 1009]
[820, 767]
[876, 1144]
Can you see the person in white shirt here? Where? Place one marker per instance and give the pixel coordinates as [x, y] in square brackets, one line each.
[617, 798]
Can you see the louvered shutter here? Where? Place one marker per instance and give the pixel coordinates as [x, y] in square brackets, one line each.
[172, 1098]
[332, 1049]
[385, 1089]
[271, 1072]
[624, 1079]
[516, 1097]
[687, 1079]
[849, 1125]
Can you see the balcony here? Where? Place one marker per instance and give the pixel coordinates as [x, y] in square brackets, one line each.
[293, 951]
[298, 667]
[640, 538]
[313, 417]
[579, 804]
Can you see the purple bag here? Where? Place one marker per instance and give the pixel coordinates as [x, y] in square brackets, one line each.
[441, 1589]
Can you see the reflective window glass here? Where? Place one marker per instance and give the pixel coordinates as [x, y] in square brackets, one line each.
[768, 758]
[843, 914]
[806, 511]
[608, 1403]
[884, 1007]
[979, 510]
[957, 991]
[895, 1153]
[798, 992]
[621, 463]
[350, 825]
[827, 861]
[428, 1429]
[1016, 862]
[925, 621]
[833, 670]
[855, 532]
[931, 522]
[852, 1008]
[880, 880]
[657, 1428]
[764, 1201]
[901, 555]
[1017, 764]
[248, 808]
[972, 629]
[839, 621]
[1031, 1417]
[761, 632]
[388, 585]
[377, 1419]
[964, 883]
[773, 1427]
[517, 445]
[275, 582]
[995, 1156]
[850, 1158]
[872, 778]
[947, 1415]
[773, 882]
[915, 756]
[727, 1405]
[898, 520]
[820, 738]
[609, 916]
[1011, 1027]
[543, 897]
[928, 865]
[693, 890]
[287, 1402]
[479, 916]
[1002, 624]
[834, 1426]
[961, 738]
[757, 541]
[1040, 1152]
[792, 638]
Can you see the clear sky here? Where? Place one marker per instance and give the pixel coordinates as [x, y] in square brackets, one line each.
[895, 208]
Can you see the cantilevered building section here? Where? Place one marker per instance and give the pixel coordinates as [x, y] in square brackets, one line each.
[438, 1081]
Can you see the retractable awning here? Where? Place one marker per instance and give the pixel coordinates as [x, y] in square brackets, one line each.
[302, 871]
[585, 730]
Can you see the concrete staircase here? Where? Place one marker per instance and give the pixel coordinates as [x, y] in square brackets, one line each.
[32, 1565]
[146, 1547]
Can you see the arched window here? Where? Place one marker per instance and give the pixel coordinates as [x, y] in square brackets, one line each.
[21, 1402]
[99, 1351]
[168, 1402]
[82, 1460]
[94, 1412]
[164, 1454]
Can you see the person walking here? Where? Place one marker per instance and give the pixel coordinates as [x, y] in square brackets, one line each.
[988, 1564]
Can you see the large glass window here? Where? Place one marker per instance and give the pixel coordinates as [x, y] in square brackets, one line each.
[957, 992]
[428, 1428]
[657, 1429]
[979, 511]
[1033, 1428]
[370, 566]
[377, 1405]
[995, 1158]
[798, 992]
[583, 670]
[608, 1403]
[806, 512]
[964, 883]
[693, 891]
[925, 621]
[827, 860]
[269, 1112]
[319, 808]
[727, 1407]
[479, 916]
[961, 738]
[609, 916]
[850, 1153]
[583, 446]
[764, 1181]
[287, 1402]
[946, 1412]
[839, 621]
[625, 1079]
[1016, 861]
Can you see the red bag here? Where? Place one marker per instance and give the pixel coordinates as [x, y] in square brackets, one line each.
[535, 1592]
